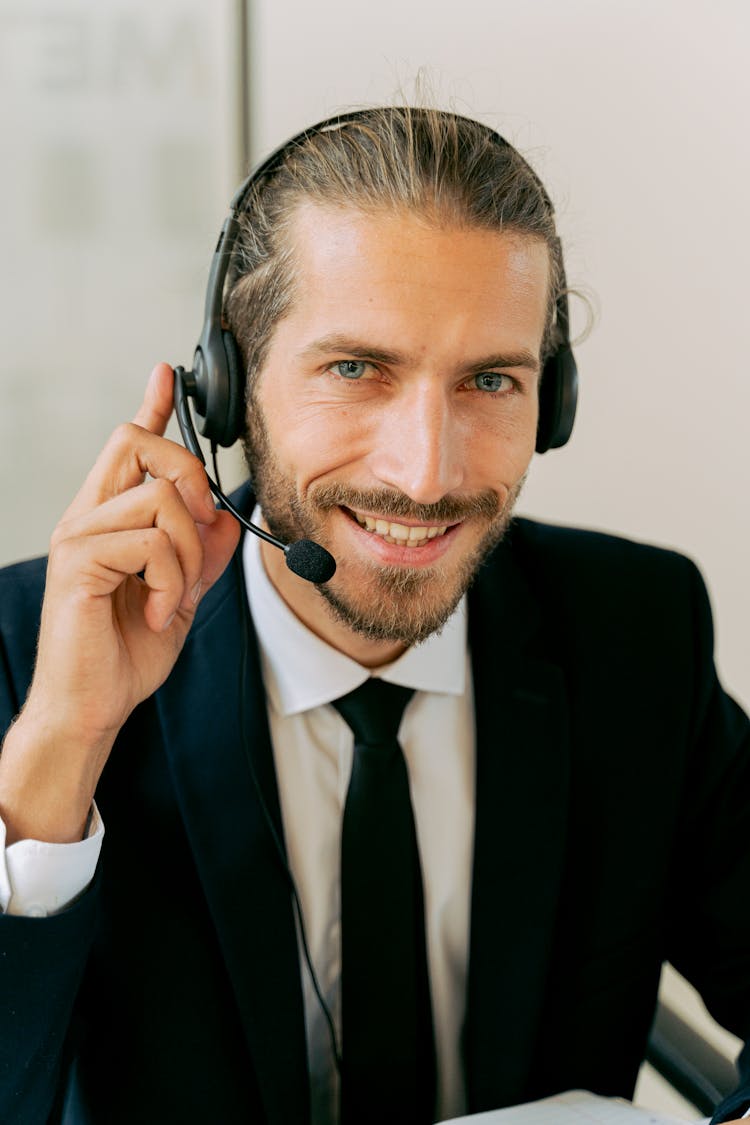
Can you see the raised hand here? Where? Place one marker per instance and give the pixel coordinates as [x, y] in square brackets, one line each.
[108, 637]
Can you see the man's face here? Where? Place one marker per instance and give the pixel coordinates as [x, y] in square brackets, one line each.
[395, 414]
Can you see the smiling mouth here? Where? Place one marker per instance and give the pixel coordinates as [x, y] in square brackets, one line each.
[397, 533]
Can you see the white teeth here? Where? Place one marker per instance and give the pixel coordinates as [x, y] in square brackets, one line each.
[398, 532]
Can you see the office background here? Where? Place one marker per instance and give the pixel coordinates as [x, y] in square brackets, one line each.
[126, 126]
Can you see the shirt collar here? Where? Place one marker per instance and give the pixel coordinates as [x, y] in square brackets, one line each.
[301, 671]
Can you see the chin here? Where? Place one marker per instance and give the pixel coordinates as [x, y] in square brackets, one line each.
[400, 603]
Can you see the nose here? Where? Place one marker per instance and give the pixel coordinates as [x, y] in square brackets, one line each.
[419, 448]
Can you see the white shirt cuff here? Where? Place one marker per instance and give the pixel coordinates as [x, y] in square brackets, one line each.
[37, 879]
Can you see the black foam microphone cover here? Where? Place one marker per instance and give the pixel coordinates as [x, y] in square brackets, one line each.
[310, 561]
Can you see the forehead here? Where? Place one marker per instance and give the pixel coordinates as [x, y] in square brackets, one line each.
[397, 272]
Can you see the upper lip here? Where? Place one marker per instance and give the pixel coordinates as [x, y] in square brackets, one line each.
[400, 519]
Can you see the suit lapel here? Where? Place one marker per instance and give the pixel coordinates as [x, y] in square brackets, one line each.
[242, 875]
[521, 812]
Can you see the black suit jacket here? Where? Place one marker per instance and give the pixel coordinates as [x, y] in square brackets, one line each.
[612, 833]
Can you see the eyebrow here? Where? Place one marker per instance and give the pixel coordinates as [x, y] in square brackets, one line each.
[359, 349]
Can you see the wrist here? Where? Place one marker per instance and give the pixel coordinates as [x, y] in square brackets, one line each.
[47, 781]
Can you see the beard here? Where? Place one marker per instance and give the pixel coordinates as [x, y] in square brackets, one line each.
[379, 602]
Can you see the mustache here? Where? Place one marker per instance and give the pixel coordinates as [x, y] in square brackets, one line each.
[387, 502]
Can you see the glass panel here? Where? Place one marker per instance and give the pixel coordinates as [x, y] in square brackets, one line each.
[120, 142]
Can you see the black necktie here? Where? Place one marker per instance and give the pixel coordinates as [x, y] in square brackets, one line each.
[388, 1057]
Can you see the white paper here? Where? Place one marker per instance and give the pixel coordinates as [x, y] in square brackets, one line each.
[572, 1108]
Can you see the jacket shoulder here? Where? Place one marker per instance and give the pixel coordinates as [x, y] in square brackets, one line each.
[21, 594]
[584, 550]
[592, 578]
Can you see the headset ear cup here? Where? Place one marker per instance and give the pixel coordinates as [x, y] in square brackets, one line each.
[220, 408]
[235, 405]
[548, 397]
[558, 396]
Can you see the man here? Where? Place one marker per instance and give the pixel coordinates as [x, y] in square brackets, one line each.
[579, 780]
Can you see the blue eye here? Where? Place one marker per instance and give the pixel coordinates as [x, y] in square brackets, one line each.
[490, 381]
[350, 368]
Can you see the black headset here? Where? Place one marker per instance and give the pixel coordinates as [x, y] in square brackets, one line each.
[216, 383]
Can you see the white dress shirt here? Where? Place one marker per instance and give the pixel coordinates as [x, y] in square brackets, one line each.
[37, 879]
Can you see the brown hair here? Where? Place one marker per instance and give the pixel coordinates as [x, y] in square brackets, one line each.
[447, 168]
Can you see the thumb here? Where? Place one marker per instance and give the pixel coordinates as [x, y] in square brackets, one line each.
[156, 409]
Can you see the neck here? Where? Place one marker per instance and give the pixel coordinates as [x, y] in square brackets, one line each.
[313, 611]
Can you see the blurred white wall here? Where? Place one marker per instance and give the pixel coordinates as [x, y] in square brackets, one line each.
[634, 113]
[119, 131]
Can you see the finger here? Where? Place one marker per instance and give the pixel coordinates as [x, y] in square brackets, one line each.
[157, 503]
[94, 567]
[156, 409]
[130, 454]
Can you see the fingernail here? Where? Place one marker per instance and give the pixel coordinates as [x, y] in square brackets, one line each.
[195, 593]
[168, 622]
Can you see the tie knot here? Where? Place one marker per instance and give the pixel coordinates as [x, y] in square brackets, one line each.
[374, 710]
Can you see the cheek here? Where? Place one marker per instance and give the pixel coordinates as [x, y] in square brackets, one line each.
[314, 441]
[500, 447]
